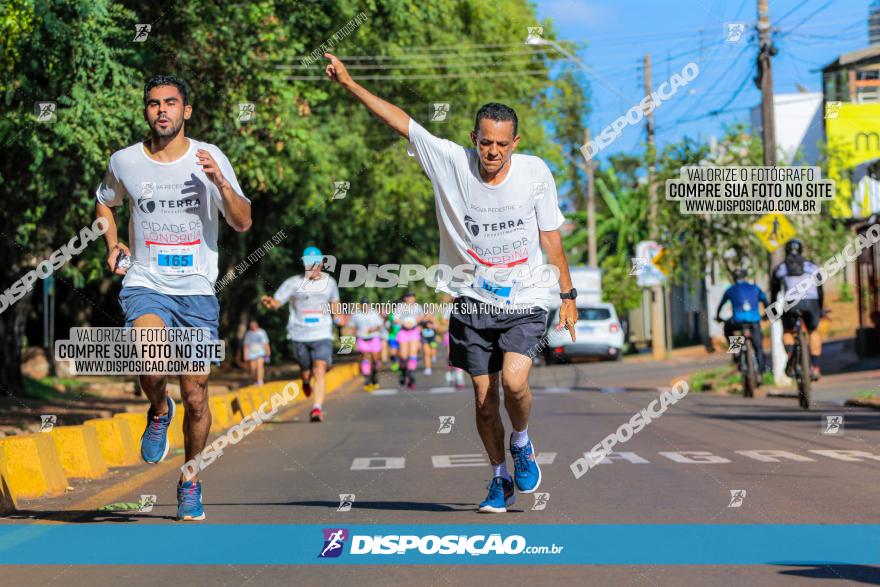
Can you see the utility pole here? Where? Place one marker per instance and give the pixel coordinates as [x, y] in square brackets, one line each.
[592, 254]
[658, 323]
[766, 50]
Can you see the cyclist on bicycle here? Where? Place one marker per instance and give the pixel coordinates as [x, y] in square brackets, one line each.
[744, 297]
[787, 276]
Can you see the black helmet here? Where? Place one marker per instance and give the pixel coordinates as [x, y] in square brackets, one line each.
[740, 274]
[794, 247]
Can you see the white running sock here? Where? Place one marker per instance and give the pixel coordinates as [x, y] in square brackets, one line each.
[520, 439]
[316, 406]
[500, 471]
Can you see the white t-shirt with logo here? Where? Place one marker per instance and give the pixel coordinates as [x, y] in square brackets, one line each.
[368, 324]
[174, 218]
[490, 226]
[310, 320]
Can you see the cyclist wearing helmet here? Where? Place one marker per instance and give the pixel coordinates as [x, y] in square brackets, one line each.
[787, 276]
[745, 297]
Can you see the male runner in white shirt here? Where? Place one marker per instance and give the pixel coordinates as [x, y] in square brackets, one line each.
[496, 212]
[177, 187]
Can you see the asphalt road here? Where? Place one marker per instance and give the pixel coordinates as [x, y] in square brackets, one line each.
[384, 449]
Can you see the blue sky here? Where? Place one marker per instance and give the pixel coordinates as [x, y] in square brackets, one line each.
[618, 33]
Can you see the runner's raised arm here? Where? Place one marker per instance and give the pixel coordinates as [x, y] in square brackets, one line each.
[385, 111]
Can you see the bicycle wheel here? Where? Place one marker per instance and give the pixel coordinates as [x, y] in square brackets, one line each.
[805, 381]
[750, 375]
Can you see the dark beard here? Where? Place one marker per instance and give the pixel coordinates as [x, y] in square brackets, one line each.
[169, 132]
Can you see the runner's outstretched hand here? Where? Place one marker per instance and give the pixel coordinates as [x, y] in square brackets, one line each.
[336, 70]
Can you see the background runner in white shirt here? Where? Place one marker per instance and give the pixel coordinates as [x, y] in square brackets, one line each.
[368, 326]
[255, 350]
[313, 299]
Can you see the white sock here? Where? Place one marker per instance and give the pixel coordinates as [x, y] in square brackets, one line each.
[520, 439]
[500, 471]
[316, 406]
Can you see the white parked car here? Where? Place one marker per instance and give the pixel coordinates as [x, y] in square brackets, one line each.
[598, 331]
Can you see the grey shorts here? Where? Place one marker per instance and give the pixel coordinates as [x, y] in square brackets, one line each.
[479, 335]
[306, 353]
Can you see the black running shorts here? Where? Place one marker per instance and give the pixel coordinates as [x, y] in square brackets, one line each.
[810, 314]
[480, 334]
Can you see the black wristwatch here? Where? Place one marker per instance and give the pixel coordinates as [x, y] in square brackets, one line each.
[571, 295]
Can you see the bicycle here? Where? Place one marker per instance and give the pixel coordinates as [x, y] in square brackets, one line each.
[800, 358]
[747, 361]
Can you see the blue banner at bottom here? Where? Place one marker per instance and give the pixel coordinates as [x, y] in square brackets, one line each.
[433, 544]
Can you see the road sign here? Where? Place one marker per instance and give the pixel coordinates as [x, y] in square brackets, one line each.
[773, 230]
[663, 261]
[648, 274]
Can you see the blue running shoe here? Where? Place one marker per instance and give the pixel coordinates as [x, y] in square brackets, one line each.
[189, 501]
[500, 496]
[526, 473]
[154, 441]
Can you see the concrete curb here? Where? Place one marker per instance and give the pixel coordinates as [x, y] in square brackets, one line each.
[863, 403]
[8, 502]
[79, 451]
[32, 466]
[117, 446]
[38, 465]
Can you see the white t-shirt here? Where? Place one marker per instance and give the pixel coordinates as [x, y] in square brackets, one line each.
[174, 217]
[255, 342]
[408, 315]
[367, 325]
[490, 225]
[791, 282]
[310, 319]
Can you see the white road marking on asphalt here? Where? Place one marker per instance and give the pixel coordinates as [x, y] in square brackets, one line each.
[694, 457]
[685, 457]
[773, 456]
[557, 390]
[447, 461]
[442, 390]
[850, 456]
[621, 456]
[378, 463]
[385, 391]
[545, 458]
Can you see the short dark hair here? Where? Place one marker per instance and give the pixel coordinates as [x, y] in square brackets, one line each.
[167, 80]
[497, 112]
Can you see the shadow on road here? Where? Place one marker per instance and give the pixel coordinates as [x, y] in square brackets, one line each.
[860, 573]
[413, 506]
[83, 516]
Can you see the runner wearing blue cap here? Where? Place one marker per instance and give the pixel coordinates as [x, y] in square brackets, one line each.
[313, 299]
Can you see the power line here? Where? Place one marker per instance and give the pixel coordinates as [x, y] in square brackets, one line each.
[424, 76]
[784, 16]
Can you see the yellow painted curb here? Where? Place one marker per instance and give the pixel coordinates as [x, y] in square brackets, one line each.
[175, 431]
[32, 466]
[79, 451]
[221, 413]
[52, 468]
[115, 438]
[244, 400]
[7, 495]
[137, 423]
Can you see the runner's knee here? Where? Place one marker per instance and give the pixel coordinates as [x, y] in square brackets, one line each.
[152, 384]
[195, 398]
